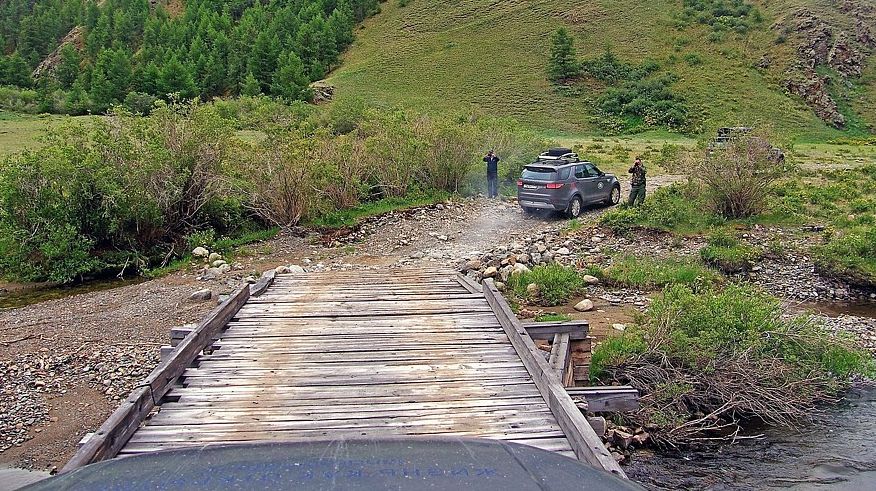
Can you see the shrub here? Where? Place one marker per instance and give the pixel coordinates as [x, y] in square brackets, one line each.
[113, 192]
[707, 362]
[738, 176]
[728, 254]
[648, 102]
[556, 284]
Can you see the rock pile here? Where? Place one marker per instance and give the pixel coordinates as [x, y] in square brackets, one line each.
[30, 380]
[214, 264]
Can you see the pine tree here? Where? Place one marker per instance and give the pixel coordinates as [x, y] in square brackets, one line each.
[68, 69]
[176, 79]
[17, 71]
[251, 86]
[111, 78]
[77, 100]
[290, 80]
[563, 62]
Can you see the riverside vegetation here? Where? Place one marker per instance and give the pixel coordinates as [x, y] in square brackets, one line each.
[714, 356]
[123, 193]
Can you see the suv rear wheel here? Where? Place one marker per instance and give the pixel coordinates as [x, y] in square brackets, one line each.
[575, 207]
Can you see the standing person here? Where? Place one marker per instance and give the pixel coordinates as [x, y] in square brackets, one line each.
[492, 161]
[637, 193]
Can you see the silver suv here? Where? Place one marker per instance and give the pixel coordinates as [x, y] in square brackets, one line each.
[560, 181]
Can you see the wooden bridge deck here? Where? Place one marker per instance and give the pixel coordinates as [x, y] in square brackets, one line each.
[349, 355]
[327, 356]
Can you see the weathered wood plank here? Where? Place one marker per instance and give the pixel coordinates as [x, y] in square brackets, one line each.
[607, 399]
[587, 445]
[546, 330]
[560, 357]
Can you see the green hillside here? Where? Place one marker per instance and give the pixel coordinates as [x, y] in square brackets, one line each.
[490, 56]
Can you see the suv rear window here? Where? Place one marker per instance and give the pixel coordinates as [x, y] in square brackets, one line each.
[539, 173]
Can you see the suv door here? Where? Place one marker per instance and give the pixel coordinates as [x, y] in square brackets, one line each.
[586, 181]
[603, 183]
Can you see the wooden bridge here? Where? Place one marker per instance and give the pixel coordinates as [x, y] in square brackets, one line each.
[340, 355]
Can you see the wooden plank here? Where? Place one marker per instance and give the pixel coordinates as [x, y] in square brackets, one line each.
[316, 419]
[607, 399]
[587, 445]
[578, 329]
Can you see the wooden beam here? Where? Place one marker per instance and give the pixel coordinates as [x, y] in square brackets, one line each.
[559, 359]
[263, 283]
[468, 283]
[124, 421]
[607, 399]
[578, 329]
[584, 441]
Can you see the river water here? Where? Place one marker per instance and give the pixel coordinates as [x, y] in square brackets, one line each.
[17, 295]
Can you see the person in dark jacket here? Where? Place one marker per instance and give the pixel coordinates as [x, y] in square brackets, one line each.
[492, 161]
[637, 193]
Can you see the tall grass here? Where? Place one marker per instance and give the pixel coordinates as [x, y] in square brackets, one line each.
[556, 284]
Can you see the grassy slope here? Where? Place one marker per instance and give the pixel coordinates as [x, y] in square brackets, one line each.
[21, 131]
[489, 56]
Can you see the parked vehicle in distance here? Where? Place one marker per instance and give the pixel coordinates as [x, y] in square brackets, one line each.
[559, 180]
[725, 135]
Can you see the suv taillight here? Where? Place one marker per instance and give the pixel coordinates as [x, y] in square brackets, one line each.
[555, 185]
[519, 183]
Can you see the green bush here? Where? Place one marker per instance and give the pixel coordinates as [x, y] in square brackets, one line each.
[722, 15]
[556, 284]
[110, 193]
[730, 354]
[650, 274]
[728, 254]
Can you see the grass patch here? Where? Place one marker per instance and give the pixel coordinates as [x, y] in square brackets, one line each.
[730, 354]
[351, 216]
[851, 256]
[652, 274]
[556, 285]
[553, 317]
[726, 253]
[677, 208]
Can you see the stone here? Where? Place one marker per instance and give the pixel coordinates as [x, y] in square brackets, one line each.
[596, 240]
[563, 251]
[201, 295]
[212, 274]
[540, 248]
[500, 286]
[217, 263]
[224, 268]
[294, 268]
[214, 256]
[584, 305]
[200, 252]
[619, 327]
[490, 272]
[536, 258]
[519, 268]
[523, 258]
[281, 269]
[473, 265]
[590, 279]
[532, 289]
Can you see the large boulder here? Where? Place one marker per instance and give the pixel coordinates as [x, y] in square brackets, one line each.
[585, 305]
[200, 252]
